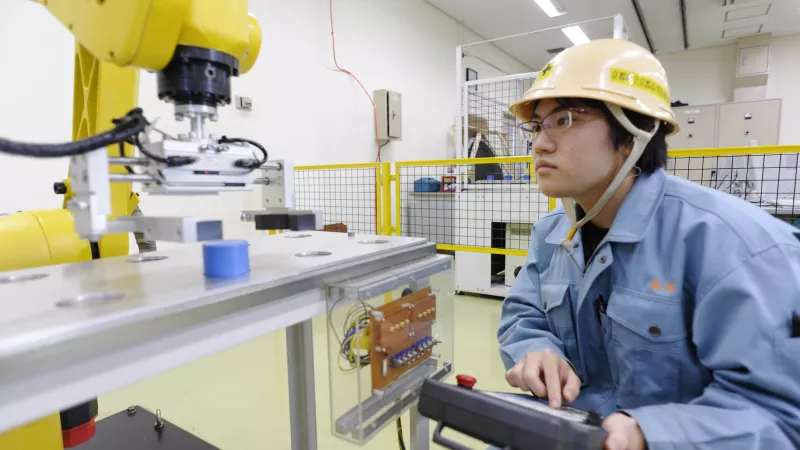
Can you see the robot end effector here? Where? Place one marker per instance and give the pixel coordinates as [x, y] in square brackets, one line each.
[195, 48]
[197, 82]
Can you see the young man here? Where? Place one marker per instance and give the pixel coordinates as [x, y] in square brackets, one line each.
[664, 305]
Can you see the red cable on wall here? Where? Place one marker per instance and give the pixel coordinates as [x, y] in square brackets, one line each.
[340, 69]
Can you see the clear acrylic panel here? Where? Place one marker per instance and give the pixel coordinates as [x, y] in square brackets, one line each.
[387, 333]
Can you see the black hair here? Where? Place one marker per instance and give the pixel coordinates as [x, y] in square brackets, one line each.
[654, 156]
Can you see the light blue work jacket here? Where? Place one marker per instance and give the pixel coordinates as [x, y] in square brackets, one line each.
[694, 340]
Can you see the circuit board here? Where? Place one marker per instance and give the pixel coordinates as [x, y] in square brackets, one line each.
[401, 336]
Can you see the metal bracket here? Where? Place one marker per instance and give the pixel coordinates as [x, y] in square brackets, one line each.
[393, 400]
[91, 203]
[369, 286]
[172, 229]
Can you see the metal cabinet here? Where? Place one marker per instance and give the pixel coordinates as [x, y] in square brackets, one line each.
[698, 127]
[749, 123]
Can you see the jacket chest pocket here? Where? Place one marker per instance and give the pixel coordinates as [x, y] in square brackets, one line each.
[648, 343]
[558, 310]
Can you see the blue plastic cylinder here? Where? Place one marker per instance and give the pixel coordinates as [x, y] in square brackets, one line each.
[225, 259]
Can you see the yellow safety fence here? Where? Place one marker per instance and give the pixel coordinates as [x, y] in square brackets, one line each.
[348, 194]
[480, 204]
[489, 205]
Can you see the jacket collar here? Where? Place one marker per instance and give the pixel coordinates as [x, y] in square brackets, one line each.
[635, 214]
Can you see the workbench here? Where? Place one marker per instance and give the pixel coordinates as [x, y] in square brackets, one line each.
[71, 332]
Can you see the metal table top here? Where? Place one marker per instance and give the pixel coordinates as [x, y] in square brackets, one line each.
[35, 314]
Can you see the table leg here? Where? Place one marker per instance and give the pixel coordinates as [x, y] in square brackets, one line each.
[302, 407]
[420, 431]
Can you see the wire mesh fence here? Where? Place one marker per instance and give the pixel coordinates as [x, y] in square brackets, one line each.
[490, 204]
[347, 194]
[768, 180]
[491, 129]
[488, 84]
[474, 204]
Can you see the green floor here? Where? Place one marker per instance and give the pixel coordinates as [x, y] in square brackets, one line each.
[238, 400]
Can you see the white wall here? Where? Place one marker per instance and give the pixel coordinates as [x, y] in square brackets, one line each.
[302, 109]
[487, 61]
[707, 76]
[783, 83]
[703, 76]
[37, 102]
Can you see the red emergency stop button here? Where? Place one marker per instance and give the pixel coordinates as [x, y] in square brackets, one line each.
[466, 381]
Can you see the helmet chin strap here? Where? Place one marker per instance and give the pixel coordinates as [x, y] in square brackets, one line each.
[640, 140]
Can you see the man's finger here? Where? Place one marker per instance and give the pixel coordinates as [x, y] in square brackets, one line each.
[553, 381]
[572, 384]
[616, 441]
[513, 375]
[532, 378]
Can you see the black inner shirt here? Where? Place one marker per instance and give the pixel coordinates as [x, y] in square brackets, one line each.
[591, 235]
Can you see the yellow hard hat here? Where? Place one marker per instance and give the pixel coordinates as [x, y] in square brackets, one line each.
[610, 70]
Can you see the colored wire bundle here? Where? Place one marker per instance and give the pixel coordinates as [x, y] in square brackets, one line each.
[353, 330]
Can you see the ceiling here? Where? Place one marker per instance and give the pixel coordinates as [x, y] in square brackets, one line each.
[709, 22]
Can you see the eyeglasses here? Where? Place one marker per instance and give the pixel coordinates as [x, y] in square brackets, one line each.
[556, 121]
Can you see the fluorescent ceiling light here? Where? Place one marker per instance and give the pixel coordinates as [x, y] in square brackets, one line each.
[576, 35]
[550, 7]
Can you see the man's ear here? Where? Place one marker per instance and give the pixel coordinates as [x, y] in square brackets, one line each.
[627, 147]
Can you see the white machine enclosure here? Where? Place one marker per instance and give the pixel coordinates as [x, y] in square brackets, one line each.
[514, 206]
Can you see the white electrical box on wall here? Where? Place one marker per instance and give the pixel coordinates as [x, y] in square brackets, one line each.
[753, 61]
[389, 108]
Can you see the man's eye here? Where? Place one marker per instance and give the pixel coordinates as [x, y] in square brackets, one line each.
[531, 127]
[562, 121]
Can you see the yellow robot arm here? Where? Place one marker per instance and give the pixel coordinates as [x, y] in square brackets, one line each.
[181, 40]
[145, 33]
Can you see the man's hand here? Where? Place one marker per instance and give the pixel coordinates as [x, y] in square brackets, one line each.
[623, 433]
[545, 374]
